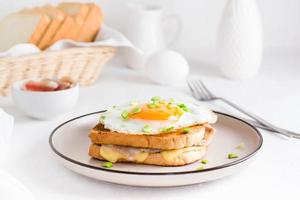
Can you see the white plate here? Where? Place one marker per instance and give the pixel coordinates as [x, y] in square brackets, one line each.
[70, 143]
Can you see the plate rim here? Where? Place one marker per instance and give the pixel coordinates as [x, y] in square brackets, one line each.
[233, 163]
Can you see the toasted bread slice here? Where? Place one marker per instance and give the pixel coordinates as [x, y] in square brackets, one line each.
[40, 29]
[57, 17]
[173, 140]
[151, 157]
[22, 27]
[92, 24]
[78, 12]
[63, 30]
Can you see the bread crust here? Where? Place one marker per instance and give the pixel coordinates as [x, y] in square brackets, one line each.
[157, 158]
[92, 24]
[79, 17]
[40, 29]
[57, 19]
[64, 28]
[166, 141]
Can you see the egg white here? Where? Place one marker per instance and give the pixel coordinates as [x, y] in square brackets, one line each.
[113, 121]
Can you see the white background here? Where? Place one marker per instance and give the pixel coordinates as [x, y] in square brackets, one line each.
[281, 20]
[273, 94]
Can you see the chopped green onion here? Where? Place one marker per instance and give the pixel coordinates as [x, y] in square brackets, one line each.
[200, 168]
[167, 129]
[147, 128]
[156, 98]
[171, 101]
[114, 106]
[232, 155]
[125, 114]
[241, 146]
[107, 165]
[170, 106]
[102, 118]
[186, 130]
[170, 128]
[135, 110]
[184, 107]
[204, 161]
[154, 102]
[162, 102]
[152, 105]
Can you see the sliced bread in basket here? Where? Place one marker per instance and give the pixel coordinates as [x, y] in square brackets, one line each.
[43, 26]
[92, 24]
[78, 12]
[57, 18]
[22, 27]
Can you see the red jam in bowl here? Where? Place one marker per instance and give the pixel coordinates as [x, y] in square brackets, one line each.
[48, 85]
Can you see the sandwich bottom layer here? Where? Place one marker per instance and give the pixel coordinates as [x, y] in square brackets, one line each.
[178, 157]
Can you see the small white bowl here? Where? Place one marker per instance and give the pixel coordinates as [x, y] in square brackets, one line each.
[44, 105]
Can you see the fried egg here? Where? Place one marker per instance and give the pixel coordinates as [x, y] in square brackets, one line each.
[155, 116]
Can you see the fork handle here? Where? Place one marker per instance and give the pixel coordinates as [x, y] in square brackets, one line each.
[258, 125]
[261, 121]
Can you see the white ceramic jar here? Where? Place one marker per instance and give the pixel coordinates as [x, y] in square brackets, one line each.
[239, 42]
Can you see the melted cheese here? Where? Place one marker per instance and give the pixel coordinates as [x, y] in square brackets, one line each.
[110, 154]
[140, 157]
[113, 155]
[173, 155]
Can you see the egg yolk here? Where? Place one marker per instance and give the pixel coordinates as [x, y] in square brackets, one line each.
[162, 112]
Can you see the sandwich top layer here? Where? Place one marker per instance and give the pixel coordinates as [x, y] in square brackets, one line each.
[155, 117]
[197, 135]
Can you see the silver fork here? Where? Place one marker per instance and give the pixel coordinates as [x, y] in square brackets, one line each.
[200, 92]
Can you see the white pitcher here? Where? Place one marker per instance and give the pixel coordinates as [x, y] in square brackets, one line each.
[147, 29]
[239, 43]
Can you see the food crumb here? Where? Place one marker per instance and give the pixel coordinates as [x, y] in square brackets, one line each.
[200, 168]
[241, 146]
[232, 156]
[107, 165]
[204, 161]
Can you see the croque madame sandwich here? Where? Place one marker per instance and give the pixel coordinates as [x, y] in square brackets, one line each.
[157, 132]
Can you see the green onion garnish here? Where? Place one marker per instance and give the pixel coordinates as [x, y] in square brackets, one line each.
[232, 155]
[186, 130]
[107, 165]
[167, 129]
[152, 105]
[184, 107]
[241, 146]
[204, 161]
[156, 98]
[162, 101]
[135, 110]
[171, 101]
[200, 168]
[125, 114]
[147, 128]
[102, 118]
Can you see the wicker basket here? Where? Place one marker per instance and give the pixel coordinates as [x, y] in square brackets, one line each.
[82, 64]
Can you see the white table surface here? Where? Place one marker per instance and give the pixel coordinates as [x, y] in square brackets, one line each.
[273, 94]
